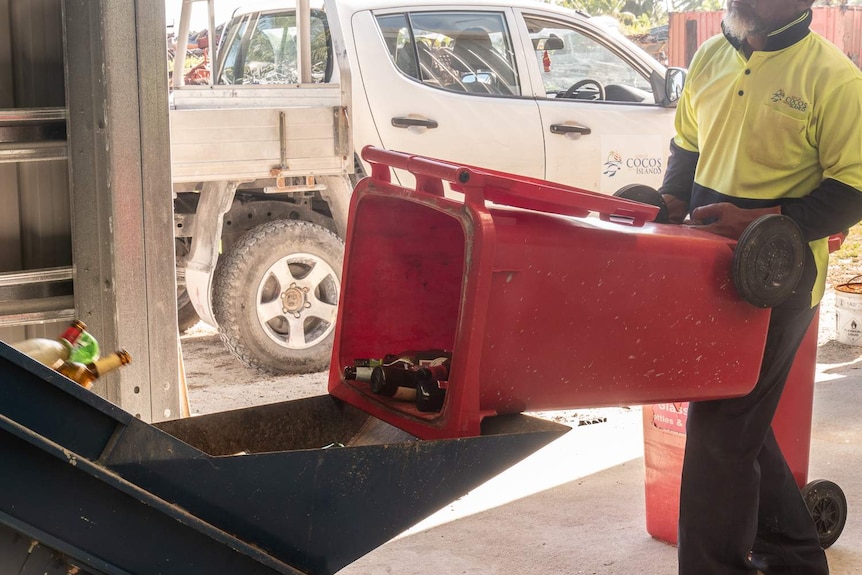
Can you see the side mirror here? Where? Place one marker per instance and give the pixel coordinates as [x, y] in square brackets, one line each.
[674, 80]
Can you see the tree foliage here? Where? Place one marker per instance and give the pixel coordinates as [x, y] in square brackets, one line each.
[696, 5]
[645, 14]
[630, 13]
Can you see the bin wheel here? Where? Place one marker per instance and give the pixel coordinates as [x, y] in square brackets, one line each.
[768, 260]
[828, 508]
[645, 195]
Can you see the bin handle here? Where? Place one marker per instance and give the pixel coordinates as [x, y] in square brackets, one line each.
[479, 184]
[850, 281]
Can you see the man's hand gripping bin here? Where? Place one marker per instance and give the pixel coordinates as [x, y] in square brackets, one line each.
[540, 306]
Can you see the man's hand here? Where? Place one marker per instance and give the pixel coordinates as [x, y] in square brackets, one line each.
[727, 220]
[677, 209]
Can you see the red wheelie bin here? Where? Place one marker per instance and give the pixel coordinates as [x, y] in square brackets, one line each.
[536, 305]
[664, 445]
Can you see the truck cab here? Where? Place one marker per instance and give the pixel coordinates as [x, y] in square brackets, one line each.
[264, 157]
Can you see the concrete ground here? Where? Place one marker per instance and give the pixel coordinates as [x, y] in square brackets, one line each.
[578, 505]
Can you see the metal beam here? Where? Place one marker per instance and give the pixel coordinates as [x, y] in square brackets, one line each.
[119, 156]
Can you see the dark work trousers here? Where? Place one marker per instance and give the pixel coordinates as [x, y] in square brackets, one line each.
[738, 495]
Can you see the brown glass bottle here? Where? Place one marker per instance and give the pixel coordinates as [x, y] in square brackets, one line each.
[85, 375]
[429, 395]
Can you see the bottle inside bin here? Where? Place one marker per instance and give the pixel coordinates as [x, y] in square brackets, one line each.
[407, 376]
[424, 382]
[358, 373]
[429, 394]
[386, 379]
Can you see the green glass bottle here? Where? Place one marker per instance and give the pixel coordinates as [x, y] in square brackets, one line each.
[85, 350]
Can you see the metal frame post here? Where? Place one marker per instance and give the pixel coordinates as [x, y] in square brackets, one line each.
[119, 161]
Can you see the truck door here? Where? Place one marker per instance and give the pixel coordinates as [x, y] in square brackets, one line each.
[600, 121]
[448, 84]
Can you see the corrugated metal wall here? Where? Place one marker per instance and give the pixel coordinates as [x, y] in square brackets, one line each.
[688, 30]
[35, 222]
[853, 35]
[842, 26]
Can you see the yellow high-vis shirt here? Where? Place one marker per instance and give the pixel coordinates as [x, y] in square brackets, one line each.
[780, 131]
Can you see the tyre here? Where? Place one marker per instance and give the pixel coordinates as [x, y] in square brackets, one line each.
[645, 195]
[828, 507]
[275, 296]
[186, 314]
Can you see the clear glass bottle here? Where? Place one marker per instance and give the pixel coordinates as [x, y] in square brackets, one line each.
[85, 375]
[52, 352]
[354, 373]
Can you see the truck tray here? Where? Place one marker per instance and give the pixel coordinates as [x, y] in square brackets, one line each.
[300, 487]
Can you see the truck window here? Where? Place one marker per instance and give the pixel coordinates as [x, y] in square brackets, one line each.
[457, 51]
[260, 48]
[568, 58]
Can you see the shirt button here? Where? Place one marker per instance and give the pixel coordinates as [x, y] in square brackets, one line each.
[747, 72]
[741, 92]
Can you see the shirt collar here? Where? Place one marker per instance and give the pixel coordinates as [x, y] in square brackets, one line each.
[783, 37]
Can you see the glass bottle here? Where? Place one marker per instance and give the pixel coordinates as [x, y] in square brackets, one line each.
[429, 395]
[386, 379]
[85, 350]
[358, 373]
[52, 352]
[85, 375]
[416, 358]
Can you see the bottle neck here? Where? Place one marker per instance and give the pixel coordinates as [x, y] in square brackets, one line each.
[109, 363]
[72, 333]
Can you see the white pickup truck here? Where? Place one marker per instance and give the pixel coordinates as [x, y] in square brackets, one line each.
[264, 158]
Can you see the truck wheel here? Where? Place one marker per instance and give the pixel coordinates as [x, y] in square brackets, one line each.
[186, 314]
[275, 296]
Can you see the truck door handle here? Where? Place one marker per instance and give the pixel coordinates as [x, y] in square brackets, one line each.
[569, 129]
[402, 122]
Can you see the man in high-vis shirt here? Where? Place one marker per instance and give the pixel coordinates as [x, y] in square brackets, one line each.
[770, 121]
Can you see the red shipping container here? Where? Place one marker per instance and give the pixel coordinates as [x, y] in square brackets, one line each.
[841, 25]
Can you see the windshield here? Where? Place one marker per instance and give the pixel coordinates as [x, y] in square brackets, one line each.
[261, 48]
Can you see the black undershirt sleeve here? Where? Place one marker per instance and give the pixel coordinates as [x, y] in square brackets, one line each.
[831, 208]
[679, 176]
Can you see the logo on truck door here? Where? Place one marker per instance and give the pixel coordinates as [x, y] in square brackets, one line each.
[640, 165]
[612, 164]
[631, 160]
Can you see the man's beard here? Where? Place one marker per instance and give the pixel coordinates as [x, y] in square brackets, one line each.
[740, 26]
